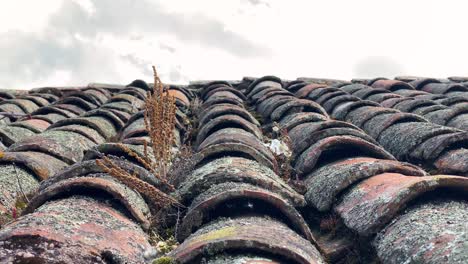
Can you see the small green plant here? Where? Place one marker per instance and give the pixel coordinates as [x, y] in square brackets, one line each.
[164, 260]
[9, 215]
[163, 246]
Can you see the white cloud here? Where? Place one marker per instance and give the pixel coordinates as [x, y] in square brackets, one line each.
[65, 42]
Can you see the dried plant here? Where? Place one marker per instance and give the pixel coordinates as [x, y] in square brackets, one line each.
[160, 120]
[155, 196]
[148, 163]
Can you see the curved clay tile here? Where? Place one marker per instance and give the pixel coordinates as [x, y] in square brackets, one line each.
[368, 91]
[72, 230]
[83, 130]
[292, 84]
[38, 100]
[379, 123]
[412, 236]
[234, 149]
[443, 117]
[27, 106]
[391, 102]
[33, 124]
[116, 120]
[296, 106]
[321, 91]
[304, 135]
[102, 183]
[255, 234]
[328, 96]
[118, 150]
[392, 85]
[326, 184]
[52, 109]
[459, 121]
[427, 110]
[293, 87]
[5, 95]
[223, 94]
[89, 167]
[75, 104]
[291, 121]
[64, 145]
[233, 135]
[330, 105]
[268, 92]
[57, 92]
[353, 88]
[263, 82]
[42, 165]
[221, 100]
[306, 162]
[100, 95]
[361, 115]
[411, 93]
[246, 258]
[401, 138]
[235, 169]
[134, 127]
[450, 101]
[306, 90]
[371, 204]
[381, 97]
[131, 99]
[270, 104]
[11, 134]
[226, 121]
[101, 125]
[343, 109]
[207, 93]
[434, 146]
[135, 91]
[225, 109]
[88, 97]
[444, 88]
[228, 197]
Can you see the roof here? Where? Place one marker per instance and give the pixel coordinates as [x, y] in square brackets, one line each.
[279, 171]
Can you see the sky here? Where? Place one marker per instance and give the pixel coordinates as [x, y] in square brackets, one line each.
[75, 42]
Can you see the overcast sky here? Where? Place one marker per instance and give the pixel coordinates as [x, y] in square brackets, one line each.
[66, 42]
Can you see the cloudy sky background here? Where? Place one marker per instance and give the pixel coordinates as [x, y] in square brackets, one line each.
[66, 42]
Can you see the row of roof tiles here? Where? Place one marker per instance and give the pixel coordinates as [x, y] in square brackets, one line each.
[81, 214]
[235, 200]
[239, 208]
[408, 136]
[345, 171]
